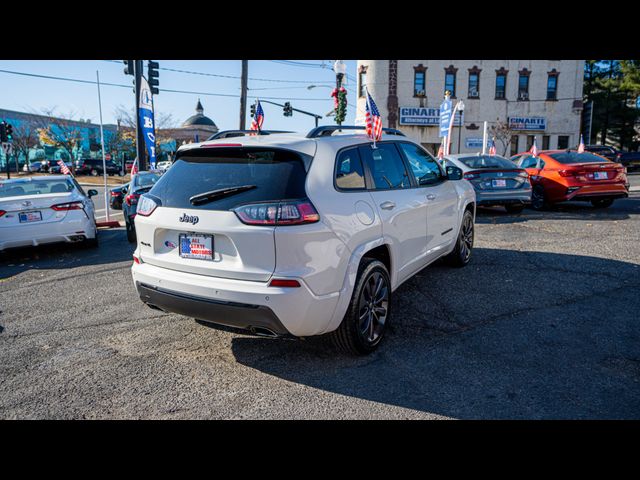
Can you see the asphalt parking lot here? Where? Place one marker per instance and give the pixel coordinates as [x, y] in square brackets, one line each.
[542, 324]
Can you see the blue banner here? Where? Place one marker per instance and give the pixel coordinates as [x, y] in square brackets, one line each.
[445, 117]
[146, 121]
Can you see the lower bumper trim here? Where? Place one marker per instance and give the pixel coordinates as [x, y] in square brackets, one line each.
[231, 314]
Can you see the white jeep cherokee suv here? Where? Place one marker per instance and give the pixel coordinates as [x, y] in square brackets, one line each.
[293, 235]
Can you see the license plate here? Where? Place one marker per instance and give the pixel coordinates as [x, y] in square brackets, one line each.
[600, 175]
[27, 217]
[500, 182]
[196, 246]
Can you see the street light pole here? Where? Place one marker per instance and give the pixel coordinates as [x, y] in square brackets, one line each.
[461, 109]
[340, 68]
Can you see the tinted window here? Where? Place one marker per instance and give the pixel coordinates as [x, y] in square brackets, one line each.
[528, 161]
[36, 187]
[277, 175]
[146, 180]
[349, 171]
[486, 161]
[424, 166]
[386, 166]
[575, 157]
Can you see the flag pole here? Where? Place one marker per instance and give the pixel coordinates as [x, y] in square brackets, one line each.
[104, 161]
[484, 138]
[370, 114]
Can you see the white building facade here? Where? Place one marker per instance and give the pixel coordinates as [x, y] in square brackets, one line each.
[541, 98]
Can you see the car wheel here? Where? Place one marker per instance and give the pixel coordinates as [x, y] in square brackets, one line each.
[94, 172]
[461, 253]
[538, 198]
[131, 232]
[602, 202]
[91, 242]
[364, 325]
[514, 208]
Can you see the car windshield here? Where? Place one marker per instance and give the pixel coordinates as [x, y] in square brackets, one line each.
[146, 179]
[575, 157]
[37, 187]
[486, 161]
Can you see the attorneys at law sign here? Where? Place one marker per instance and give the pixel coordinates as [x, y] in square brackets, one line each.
[424, 116]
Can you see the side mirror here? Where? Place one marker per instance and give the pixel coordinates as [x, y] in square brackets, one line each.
[454, 173]
[92, 193]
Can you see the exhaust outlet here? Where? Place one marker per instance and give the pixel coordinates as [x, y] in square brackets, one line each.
[263, 332]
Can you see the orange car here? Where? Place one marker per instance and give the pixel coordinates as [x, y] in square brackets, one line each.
[566, 175]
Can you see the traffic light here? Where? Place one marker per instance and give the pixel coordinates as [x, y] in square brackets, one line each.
[253, 110]
[3, 131]
[9, 132]
[128, 70]
[152, 74]
[288, 111]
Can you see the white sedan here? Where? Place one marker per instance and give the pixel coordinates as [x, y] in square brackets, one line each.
[46, 209]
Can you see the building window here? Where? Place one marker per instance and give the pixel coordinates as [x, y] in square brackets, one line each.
[552, 85]
[514, 145]
[545, 142]
[501, 84]
[419, 81]
[362, 80]
[450, 80]
[523, 84]
[474, 82]
[530, 141]
[563, 142]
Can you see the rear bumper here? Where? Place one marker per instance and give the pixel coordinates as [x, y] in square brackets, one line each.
[595, 192]
[236, 303]
[67, 230]
[233, 314]
[520, 196]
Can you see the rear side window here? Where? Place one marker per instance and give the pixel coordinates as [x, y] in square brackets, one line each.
[386, 166]
[274, 175]
[575, 157]
[349, 171]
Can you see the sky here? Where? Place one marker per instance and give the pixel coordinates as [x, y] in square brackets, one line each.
[31, 94]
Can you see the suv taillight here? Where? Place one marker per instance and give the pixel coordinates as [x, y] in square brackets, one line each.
[2, 212]
[295, 212]
[67, 206]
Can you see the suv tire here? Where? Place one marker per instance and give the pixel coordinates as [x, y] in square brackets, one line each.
[131, 232]
[363, 326]
[461, 254]
[539, 199]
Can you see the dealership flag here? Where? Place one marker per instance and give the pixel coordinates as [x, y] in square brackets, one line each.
[534, 149]
[134, 167]
[258, 119]
[581, 146]
[492, 147]
[146, 121]
[372, 120]
[63, 168]
[441, 151]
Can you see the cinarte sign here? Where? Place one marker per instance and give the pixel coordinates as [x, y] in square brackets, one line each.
[423, 116]
[527, 123]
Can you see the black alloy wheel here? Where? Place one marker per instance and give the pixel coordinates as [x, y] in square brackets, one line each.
[538, 198]
[461, 253]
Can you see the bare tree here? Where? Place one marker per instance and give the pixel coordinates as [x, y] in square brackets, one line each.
[59, 130]
[25, 137]
[127, 118]
[502, 132]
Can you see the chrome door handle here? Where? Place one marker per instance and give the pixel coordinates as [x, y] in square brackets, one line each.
[387, 205]
[431, 196]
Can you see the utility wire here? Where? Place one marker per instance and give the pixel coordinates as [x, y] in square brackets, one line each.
[92, 82]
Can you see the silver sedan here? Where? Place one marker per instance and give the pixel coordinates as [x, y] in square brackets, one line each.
[496, 180]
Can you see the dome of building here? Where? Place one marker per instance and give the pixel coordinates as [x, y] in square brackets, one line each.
[199, 119]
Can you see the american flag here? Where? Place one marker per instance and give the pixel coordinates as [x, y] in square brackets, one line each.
[63, 168]
[440, 152]
[581, 146]
[372, 120]
[492, 147]
[258, 120]
[534, 148]
[134, 167]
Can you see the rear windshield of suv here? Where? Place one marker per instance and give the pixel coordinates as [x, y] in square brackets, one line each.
[486, 161]
[274, 175]
[575, 157]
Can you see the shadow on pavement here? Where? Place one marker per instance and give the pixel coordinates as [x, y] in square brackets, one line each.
[622, 209]
[113, 247]
[517, 335]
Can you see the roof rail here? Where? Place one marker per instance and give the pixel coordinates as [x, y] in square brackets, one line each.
[327, 130]
[242, 133]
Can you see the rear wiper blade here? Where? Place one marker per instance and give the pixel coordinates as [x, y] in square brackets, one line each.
[205, 197]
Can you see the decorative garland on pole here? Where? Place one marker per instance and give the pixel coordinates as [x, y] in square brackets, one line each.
[340, 104]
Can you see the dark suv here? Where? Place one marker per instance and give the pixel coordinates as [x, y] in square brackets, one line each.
[93, 166]
[605, 151]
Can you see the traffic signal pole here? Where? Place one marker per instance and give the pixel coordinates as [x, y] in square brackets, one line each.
[243, 94]
[141, 151]
[317, 117]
